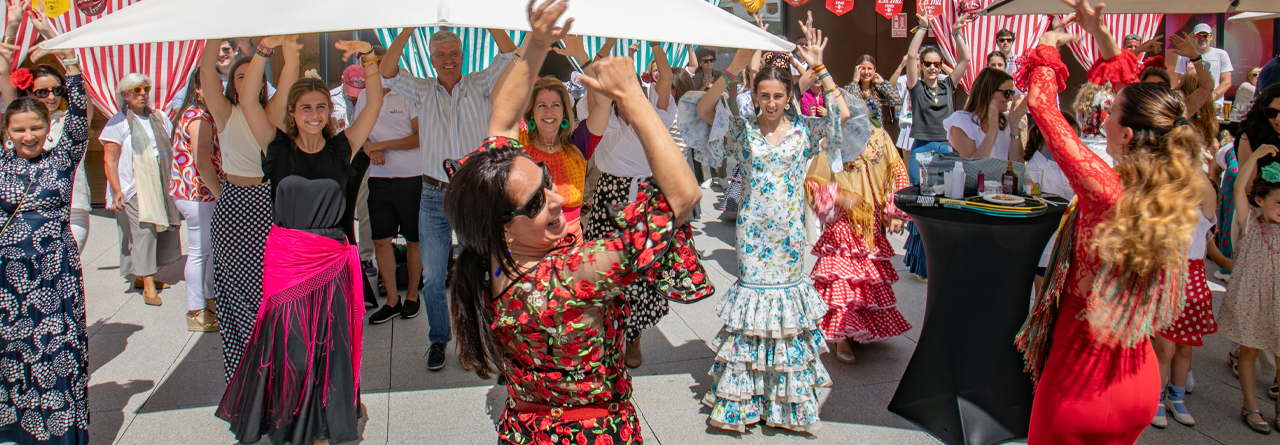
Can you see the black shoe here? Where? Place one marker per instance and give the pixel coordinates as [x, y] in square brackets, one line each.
[384, 314]
[435, 356]
[409, 308]
[370, 270]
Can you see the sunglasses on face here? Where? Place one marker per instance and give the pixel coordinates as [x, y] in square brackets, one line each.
[1008, 94]
[1203, 35]
[45, 92]
[538, 201]
[932, 64]
[708, 60]
[1005, 40]
[1270, 113]
[225, 50]
[142, 89]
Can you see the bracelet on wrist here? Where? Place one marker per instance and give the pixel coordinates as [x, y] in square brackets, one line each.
[818, 68]
[1197, 59]
[370, 61]
[74, 61]
[9, 40]
[263, 50]
[729, 76]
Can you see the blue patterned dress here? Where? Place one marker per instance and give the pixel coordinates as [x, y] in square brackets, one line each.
[43, 357]
[767, 367]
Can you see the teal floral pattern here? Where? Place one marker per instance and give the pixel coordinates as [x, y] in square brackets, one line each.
[560, 325]
[767, 368]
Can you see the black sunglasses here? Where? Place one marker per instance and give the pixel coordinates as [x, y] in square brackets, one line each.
[932, 64]
[1270, 113]
[45, 92]
[1004, 40]
[708, 60]
[1008, 94]
[538, 201]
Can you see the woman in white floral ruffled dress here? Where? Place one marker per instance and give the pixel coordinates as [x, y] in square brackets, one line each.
[767, 368]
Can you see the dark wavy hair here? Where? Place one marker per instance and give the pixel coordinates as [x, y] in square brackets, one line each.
[476, 205]
[771, 72]
[1255, 122]
[191, 100]
[1162, 73]
[983, 92]
[681, 82]
[1261, 189]
[232, 95]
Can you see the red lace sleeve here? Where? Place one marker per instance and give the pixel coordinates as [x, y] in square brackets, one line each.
[1095, 183]
[1120, 70]
[1041, 56]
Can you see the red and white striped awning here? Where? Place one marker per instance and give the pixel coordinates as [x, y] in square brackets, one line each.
[981, 36]
[167, 64]
[1120, 25]
[1021, 7]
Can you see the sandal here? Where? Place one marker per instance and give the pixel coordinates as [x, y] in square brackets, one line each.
[1234, 361]
[1260, 427]
[137, 284]
[1274, 390]
[633, 356]
[194, 325]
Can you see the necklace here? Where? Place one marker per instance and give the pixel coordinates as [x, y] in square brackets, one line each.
[932, 92]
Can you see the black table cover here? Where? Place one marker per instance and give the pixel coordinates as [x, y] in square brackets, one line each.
[965, 383]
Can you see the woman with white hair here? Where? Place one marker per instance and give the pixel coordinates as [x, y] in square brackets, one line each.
[137, 153]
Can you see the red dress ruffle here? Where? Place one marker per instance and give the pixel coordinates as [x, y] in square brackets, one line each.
[1197, 319]
[1043, 55]
[856, 285]
[1120, 70]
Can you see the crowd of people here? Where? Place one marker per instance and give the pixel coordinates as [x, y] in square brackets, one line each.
[572, 222]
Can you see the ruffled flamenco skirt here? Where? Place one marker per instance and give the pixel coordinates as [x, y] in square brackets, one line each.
[857, 286]
[299, 379]
[767, 367]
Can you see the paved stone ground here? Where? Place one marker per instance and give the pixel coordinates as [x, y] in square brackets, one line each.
[155, 383]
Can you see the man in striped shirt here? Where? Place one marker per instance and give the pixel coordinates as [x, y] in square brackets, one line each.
[453, 118]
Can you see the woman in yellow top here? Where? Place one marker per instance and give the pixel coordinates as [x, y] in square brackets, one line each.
[552, 138]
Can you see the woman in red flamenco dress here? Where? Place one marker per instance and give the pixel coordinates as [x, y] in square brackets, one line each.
[1117, 272]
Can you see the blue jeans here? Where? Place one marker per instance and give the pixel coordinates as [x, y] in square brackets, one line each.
[435, 240]
[913, 168]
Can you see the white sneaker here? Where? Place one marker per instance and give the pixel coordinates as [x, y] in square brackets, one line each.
[1224, 277]
[706, 184]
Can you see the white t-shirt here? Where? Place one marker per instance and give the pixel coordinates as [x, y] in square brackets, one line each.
[395, 121]
[620, 153]
[117, 131]
[1219, 62]
[964, 121]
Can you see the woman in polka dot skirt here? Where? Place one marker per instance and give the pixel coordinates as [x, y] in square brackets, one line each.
[1173, 345]
[853, 274]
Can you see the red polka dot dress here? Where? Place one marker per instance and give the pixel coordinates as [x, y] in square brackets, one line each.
[1197, 319]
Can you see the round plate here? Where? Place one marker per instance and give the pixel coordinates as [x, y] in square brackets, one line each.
[1004, 199]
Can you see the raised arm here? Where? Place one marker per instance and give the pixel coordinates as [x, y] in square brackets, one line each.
[217, 103]
[913, 51]
[503, 40]
[616, 79]
[815, 45]
[13, 20]
[1245, 181]
[599, 109]
[1090, 18]
[707, 106]
[276, 105]
[1092, 179]
[663, 87]
[1204, 90]
[509, 102]
[962, 46]
[264, 130]
[390, 65]
[898, 71]
[359, 130]
[6, 87]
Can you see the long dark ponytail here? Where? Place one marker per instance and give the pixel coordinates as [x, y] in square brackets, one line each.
[476, 204]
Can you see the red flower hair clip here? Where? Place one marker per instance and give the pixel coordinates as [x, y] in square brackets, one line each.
[22, 79]
[1153, 61]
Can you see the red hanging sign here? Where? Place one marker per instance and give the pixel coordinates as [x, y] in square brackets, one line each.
[929, 8]
[888, 8]
[839, 7]
[796, 3]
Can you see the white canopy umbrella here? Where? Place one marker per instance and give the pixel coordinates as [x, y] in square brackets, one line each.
[1020, 7]
[694, 22]
[1252, 16]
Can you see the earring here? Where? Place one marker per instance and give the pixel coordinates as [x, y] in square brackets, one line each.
[532, 123]
[8, 144]
[564, 123]
[788, 107]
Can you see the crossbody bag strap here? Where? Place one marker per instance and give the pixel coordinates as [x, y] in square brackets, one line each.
[18, 210]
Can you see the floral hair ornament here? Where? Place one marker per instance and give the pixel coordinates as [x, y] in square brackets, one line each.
[451, 166]
[1271, 173]
[312, 74]
[22, 79]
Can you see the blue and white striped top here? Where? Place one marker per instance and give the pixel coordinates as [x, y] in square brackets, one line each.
[450, 125]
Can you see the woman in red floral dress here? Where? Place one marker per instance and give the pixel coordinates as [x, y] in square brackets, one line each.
[1118, 270]
[546, 312]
